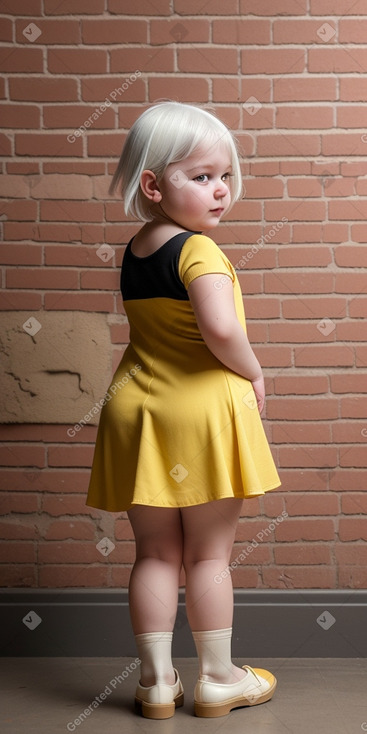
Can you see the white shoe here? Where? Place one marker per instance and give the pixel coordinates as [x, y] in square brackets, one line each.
[159, 701]
[218, 699]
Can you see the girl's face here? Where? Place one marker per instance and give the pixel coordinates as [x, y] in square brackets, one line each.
[196, 191]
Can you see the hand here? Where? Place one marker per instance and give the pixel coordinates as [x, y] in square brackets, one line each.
[259, 390]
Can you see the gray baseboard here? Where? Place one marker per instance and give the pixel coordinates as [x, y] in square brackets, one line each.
[267, 623]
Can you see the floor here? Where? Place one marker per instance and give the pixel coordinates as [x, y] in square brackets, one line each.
[49, 695]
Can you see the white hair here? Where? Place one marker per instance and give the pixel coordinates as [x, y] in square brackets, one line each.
[167, 133]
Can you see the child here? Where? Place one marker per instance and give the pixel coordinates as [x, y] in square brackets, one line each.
[180, 442]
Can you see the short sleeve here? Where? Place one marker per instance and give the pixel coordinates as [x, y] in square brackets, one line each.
[200, 255]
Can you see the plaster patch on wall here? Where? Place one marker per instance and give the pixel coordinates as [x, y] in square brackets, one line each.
[54, 365]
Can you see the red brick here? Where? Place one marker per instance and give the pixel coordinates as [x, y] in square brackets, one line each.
[5, 145]
[345, 383]
[359, 233]
[317, 504]
[64, 529]
[143, 59]
[77, 61]
[174, 31]
[184, 89]
[354, 504]
[161, 7]
[241, 31]
[306, 308]
[18, 552]
[353, 407]
[79, 7]
[273, 61]
[17, 59]
[100, 280]
[6, 30]
[345, 144]
[14, 529]
[315, 433]
[281, 144]
[67, 505]
[18, 575]
[249, 87]
[20, 301]
[297, 89]
[60, 32]
[267, 308]
[350, 331]
[353, 578]
[46, 278]
[18, 455]
[110, 30]
[308, 529]
[301, 385]
[19, 210]
[301, 409]
[303, 554]
[305, 187]
[300, 31]
[350, 282]
[347, 432]
[104, 144]
[307, 117]
[337, 60]
[94, 302]
[61, 116]
[352, 89]
[358, 308]
[273, 356]
[74, 255]
[304, 456]
[88, 211]
[294, 333]
[16, 115]
[21, 503]
[304, 577]
[361, 356]
[352, 529]
[307, 233]
[208, 60]
[345, 7]
[38, 89]
[64, 576]
[353, 456]
[326, 356]
[277, 7]
[46, 145]
[298, 283]
[304, 257]
[295, 210]
[96, 89]
[202, 7]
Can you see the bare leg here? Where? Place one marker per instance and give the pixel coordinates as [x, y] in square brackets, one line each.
[209, 532]
[153, 588]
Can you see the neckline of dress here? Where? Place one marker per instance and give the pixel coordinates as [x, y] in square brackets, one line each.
[146, 257]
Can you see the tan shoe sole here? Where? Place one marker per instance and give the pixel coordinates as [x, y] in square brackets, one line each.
[159, 710]
[211, 710]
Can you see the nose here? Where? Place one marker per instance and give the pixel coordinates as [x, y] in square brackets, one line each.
[221, 189]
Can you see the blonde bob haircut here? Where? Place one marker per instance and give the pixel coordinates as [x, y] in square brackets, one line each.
[167, 133]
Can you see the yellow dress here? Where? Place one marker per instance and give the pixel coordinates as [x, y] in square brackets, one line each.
[177, 427]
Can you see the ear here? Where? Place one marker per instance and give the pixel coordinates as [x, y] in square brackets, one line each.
[149, 186]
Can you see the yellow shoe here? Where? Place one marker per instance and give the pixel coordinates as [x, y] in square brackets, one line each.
[218, 699]
[159, 701]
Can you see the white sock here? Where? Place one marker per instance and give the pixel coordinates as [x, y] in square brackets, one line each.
[214, 652]
[154, 649]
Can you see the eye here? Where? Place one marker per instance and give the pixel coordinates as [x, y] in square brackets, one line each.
[226, 176]
[202, 178]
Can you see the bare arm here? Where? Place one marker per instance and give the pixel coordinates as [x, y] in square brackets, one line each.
[223, 334]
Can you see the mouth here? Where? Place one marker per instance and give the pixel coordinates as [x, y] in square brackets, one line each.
[218, 211]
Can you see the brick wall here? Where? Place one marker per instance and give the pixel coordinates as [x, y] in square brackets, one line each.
[289, 77]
